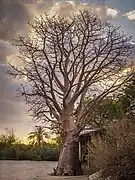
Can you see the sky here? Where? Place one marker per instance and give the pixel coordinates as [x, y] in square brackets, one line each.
[14, 18]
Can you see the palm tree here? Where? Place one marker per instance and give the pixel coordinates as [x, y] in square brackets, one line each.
[37, 136]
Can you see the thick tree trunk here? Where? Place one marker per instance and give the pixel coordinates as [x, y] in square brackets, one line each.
[69, 164]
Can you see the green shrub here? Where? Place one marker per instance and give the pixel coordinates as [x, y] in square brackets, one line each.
[114, 155]
[8, 153]
[35, 154]
[45, 154]
[24, 155]
[52, 154]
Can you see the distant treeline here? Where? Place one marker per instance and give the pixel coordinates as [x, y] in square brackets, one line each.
[13, 149]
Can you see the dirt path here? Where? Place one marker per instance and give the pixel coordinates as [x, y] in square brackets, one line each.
[25, 170]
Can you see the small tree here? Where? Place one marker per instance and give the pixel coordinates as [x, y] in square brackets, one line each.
[37, 136]
[116, 106]
[108, 110]
[126, 98]
[64, 60]
[8, 138]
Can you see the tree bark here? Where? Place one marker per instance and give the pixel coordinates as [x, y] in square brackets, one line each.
[69, 164]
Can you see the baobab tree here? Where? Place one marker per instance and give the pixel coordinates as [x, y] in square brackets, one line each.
[63, 60]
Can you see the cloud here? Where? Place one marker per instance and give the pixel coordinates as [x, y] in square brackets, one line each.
[67, 8]
[38, 7]
[105, 12]
[13, 18]
[111, 12]
[9, 105]
[130, 15]
[12, 110]
[5, 50]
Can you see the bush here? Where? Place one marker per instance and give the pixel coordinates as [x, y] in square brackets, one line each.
[8, 153]
[26, 152]
[52, 154]
[114, 155]
[45, 154]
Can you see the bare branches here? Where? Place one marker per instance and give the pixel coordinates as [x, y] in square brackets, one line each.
[64, 58]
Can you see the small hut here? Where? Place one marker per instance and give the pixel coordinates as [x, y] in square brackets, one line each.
[85, 139]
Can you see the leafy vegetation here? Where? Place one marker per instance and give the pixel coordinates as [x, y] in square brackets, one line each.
[13, 149]
[114, 153]
[37, 136]
[118, 106]
[126, 98]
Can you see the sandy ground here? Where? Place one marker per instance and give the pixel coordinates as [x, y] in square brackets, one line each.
[34, 170]
[25, 170]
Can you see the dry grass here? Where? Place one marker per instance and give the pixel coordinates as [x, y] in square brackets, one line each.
[114, 153]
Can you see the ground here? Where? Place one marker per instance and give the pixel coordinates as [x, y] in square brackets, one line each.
[32, 170]
[25, 170]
